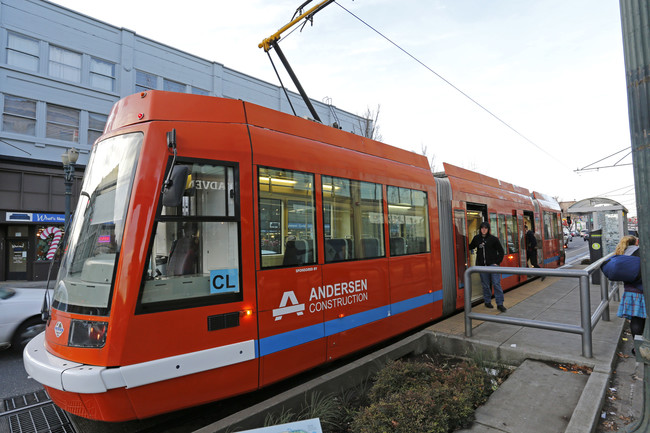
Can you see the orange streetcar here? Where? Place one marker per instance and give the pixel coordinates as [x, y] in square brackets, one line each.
[219, 246]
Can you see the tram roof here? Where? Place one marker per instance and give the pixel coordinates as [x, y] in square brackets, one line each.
[471, 182]
[157, 105]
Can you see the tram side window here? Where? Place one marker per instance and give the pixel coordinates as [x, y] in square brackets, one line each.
[547, 225]
[408, 221]
[287, 217]
[513, 245]
[494, 229]
[550, 225]
[195, 243]
[355, 219]
[502, 231]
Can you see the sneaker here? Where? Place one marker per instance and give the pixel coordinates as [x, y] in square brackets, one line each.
[502, 308]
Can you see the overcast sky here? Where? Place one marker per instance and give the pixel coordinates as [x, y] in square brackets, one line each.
[551, 70]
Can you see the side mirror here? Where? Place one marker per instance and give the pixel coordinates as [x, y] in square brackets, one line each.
[173, 192]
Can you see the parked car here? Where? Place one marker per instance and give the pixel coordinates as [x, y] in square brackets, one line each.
[20, 316]
[584, 233]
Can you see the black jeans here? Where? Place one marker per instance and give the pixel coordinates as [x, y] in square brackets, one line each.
[532, 256]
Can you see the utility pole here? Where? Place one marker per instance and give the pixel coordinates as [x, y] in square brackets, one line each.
[635, 16]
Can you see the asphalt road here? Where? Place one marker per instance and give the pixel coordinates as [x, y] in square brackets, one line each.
[577, 247]
[13, 377]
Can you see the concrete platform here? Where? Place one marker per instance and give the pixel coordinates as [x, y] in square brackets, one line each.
[549, 390]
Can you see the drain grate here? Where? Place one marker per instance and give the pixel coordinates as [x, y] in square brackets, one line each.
[33, 413]
[42, 419]
[25, 400]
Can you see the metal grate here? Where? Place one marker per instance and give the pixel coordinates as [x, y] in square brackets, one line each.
[33, 413]
[42, 419]
[25, 400]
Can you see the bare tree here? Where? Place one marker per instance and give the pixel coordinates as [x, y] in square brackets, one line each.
[432, 159]
[368, 126]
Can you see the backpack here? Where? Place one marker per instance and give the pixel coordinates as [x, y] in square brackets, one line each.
[623, 268]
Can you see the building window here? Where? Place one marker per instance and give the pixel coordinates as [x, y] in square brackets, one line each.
[22, 52]
[62, 123]
[144, 81]
[198, 91]
[96, 123]
[102, 74]
[19, 115]
[65, 64]
[47, 241]
[173, 86]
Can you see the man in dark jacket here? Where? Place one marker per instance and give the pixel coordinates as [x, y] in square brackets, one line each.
[531, 247]
[490, 253]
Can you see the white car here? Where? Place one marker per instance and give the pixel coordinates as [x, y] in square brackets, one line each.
[20, 315]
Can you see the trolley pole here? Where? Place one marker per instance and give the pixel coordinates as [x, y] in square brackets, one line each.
[636, 34]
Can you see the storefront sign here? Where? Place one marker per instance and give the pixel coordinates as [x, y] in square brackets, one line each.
[21, 217]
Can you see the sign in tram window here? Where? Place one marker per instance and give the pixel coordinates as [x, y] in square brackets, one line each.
[408, 221]
[287, 217]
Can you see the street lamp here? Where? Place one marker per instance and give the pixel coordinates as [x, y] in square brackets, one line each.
[69, 158]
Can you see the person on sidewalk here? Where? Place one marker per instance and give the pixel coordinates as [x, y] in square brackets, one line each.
[531, 248]
[632, 306]
[490, 253]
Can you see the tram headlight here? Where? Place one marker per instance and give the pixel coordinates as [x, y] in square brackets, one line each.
[84, 333]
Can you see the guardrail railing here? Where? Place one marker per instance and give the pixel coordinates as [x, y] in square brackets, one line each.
[587, 320]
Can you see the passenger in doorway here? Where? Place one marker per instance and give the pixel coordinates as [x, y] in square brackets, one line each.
[632, 305]
[490, 253]
[531, 248]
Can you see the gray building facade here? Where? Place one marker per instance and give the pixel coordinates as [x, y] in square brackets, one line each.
[60, 74]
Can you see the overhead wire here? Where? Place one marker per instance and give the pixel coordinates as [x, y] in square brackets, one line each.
[616, 164]
[451, 84]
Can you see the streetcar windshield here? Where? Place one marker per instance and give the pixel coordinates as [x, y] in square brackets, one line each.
[95, 235]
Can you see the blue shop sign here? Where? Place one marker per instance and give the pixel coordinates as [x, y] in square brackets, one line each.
[34, 217]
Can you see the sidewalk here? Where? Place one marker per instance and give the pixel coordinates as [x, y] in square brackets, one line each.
[553, 389]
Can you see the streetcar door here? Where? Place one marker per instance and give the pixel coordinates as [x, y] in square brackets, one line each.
[291, 335]
[198, 288]
[462, 259]
[474, 220]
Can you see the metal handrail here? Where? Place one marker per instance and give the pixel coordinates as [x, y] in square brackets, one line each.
[587, 320]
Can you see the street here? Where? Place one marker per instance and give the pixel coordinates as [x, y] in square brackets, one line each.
[13, 378]
[577, 248]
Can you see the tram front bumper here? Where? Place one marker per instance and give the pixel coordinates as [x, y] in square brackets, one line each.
[65, 375]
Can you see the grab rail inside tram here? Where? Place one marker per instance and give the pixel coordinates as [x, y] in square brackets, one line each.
[587, 320]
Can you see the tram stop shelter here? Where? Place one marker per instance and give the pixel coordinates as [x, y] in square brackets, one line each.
[606, 220]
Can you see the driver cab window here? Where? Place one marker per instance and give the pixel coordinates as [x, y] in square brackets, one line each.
[194, 253]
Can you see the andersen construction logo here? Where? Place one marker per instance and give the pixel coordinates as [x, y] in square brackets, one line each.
[322, 298]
